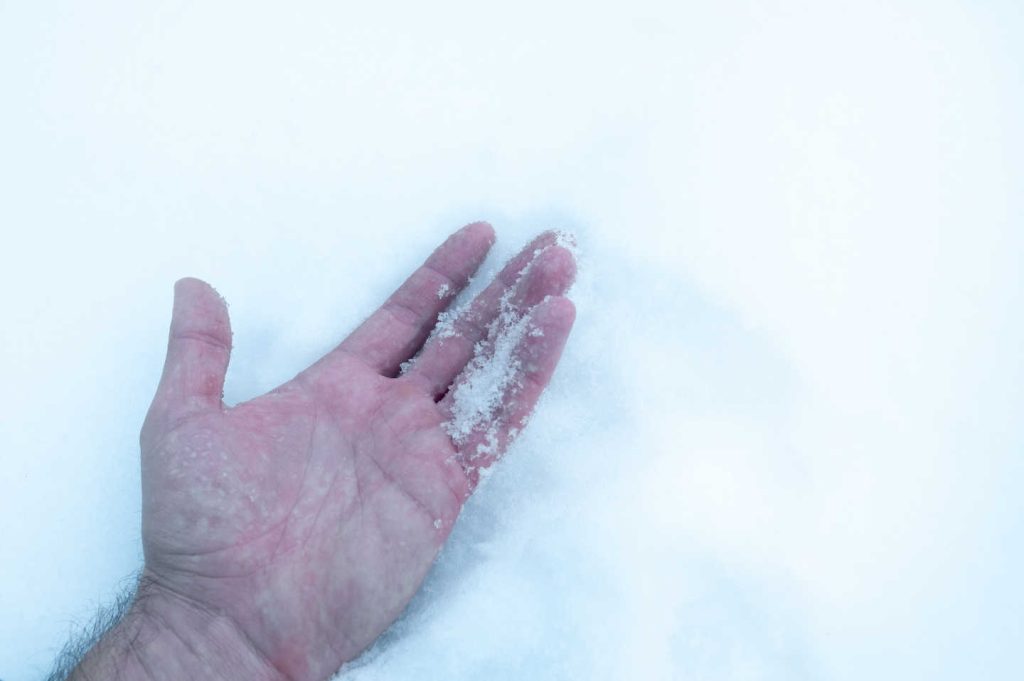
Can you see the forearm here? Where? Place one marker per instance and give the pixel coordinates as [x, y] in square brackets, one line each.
[165, 637]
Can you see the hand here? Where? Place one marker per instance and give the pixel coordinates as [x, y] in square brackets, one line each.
[309, 516]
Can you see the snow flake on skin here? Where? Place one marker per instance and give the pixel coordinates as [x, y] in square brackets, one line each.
[485, 390]
[489, 376]
[567, 240]
[445, 326]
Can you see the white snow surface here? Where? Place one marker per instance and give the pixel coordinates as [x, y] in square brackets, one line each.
[784, 440]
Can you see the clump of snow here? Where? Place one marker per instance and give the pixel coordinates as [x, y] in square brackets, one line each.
[490, 375]
[442, 291]
[445, 326]
[495, 370]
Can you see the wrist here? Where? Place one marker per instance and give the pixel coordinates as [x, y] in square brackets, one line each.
[164, 636]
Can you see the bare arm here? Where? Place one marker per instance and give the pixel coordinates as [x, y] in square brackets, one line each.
[163, 636]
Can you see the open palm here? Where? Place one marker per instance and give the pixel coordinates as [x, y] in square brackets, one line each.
[310, 515]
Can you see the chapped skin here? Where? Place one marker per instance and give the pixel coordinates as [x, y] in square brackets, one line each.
[310, 515]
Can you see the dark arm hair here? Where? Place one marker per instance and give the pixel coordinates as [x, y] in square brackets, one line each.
[88, 635]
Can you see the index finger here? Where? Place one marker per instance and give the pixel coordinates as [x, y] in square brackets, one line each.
[393, 333]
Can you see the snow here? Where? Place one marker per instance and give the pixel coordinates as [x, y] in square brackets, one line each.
[492, 373]
[784, 439]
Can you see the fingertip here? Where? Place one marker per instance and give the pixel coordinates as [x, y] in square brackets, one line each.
[198, 349]
[556, 313]
[559, 237]
[195, 289]
[476, 237]
[546, 238]
[482, 230]
[556, 270]
[188, 284]
[463, 252]
[198, 305]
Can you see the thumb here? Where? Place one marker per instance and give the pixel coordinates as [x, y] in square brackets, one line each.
[197, 351]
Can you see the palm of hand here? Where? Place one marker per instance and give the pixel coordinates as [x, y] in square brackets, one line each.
[310, 515]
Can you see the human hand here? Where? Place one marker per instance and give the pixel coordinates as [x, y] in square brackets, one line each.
[307, 518]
